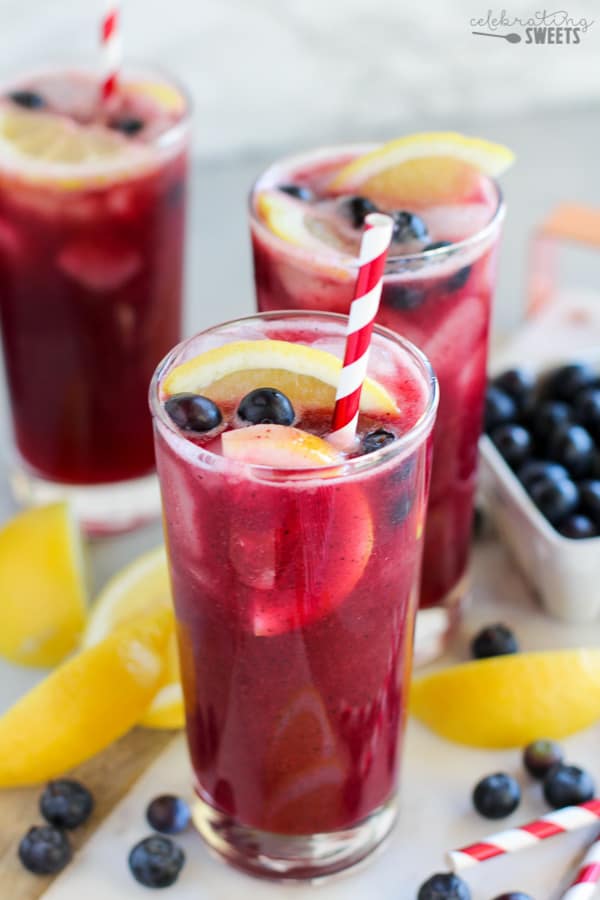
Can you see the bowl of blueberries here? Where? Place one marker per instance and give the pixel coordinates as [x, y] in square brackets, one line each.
[540, 479]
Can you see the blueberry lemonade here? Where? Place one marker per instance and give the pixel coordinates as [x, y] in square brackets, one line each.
[306, 215]
[295, 574]
[92, 204]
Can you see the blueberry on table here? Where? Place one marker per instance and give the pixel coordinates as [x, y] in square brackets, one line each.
[168, 814]
[589, 492]
[193, 412]
[299, 191]
[27, 99]
[536, 469]
[444, 886]
[496, 796]
[586, 407]
[266, 406]
[577, 527]
[517, 383]
[66, 803]
[45, 850]
[357, 209]
[375, 440]
[500, 408]
[568, 785]
[513, 442]
[128, 125]
[156, 862]
[494, 640]
[548, 416]
[572, 446]
[408, 227]
[564, 383]
[541, 756]
[555, 498]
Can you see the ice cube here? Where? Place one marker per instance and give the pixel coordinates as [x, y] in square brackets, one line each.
[100, 265]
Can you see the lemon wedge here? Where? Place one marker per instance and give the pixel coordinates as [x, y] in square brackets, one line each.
[43, 606]
[85, 704]
[509, 701]
[308, 376]
[422, 169]
[137, 590]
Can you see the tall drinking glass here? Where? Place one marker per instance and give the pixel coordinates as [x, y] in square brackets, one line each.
[295, 593]
[439, 298]
[92, 214]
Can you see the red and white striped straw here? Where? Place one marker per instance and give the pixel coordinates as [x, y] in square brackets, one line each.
[570, 818]
[375, 244]
[112, 50]
[586, 881]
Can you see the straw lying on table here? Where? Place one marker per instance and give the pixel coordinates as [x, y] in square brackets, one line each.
[570, 818]
[110, 38]
[586, 881]
[374, 246]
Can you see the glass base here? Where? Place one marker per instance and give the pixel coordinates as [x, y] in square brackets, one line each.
[436, 624]
[100, 509]
[292, 857]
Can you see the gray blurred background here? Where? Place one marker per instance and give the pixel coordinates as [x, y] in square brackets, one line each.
[267, 76]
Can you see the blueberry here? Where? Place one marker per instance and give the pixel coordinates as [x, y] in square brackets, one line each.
[572, 447]
[548, 416]
[513, 443]
[408, 227]
[568, 785]
[156, 862]
[496, 796]
[193, 412]
[27, 99]
[541, 756]
[66, 803]
[403, 296]
[375, 440]
[128, 125]
[168, 814]
[266, 406]
[444, 886]
[536, 469]
[517, 383]
[577, 527]
[45, 850]
[586, 406]
[298, 191]
[459, 278]
[589, 493]
[500, 408]
[494, 640]
[555, 499]
[357, 209]
[566, 382]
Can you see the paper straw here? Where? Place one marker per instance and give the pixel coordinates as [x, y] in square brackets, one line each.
[110, 39]
[375, 243]
[585, 884]
[570, 818]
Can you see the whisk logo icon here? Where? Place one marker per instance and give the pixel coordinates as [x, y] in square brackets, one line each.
[542, 27]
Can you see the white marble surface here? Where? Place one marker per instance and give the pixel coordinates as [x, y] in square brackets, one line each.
[436, 812]
[270, 73]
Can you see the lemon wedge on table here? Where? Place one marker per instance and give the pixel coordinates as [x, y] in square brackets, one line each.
[422, 169]
[85, 704]
[42, 586]
[139, 589]
[307, 375]
[509, 701]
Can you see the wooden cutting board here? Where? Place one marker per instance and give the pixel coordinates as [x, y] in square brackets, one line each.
[109, 776]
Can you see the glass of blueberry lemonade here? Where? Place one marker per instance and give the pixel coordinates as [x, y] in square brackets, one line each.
[295, 571]
[306, 215]
[92, 209]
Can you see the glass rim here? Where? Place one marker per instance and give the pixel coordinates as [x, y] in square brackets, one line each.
[339, 470]
[438, 253]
